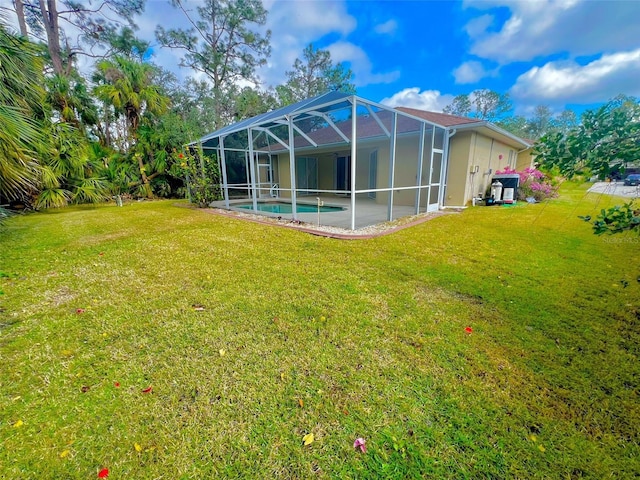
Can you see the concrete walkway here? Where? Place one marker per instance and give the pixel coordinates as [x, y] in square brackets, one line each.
[615, 188]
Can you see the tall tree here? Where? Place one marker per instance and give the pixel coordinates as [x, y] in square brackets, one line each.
[223, 43]
[490, 105]
[566, 120]
[461, 106]
[56, 26]
[313, 75]
[541, 122]
[127, 86]
[482, 104]
[518, 125]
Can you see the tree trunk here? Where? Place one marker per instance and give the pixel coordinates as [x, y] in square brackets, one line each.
[145, 179]
[50, 20]
[21, 20]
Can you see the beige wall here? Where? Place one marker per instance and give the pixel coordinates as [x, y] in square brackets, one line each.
[468, 150]
[473, 152]
[525, 159]
[406, 168]
[459, 160]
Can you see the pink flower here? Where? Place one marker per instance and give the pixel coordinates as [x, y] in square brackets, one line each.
[360, 443]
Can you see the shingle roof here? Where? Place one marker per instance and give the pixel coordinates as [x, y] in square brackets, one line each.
[443, 119]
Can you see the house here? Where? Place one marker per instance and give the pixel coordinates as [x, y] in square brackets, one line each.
[366, 162]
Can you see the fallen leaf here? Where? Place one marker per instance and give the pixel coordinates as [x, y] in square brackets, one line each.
[300, 402]
[79, 310]
[116, 384]
[138, 447]
[533, 438]
[67, 353]
[468, 329]
[541, 448]
[18, 424]
[282, 376]
[197, 307]
[104, 473]
[222, 352]
[148, 389]
[360, 443]
[101, 254]
[308, 438]
[85, 388]
[64, 453]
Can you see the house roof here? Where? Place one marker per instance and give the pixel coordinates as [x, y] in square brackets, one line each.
[459, 123]
[324, 103]
[367, 128]
[443, 119]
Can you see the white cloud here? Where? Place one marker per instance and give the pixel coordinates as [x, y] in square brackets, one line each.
[309, 18]
[431, 100]
[360, 64]
[295, 24]
[387, 28]
[544, 27]
[565, 82]
[471, 72]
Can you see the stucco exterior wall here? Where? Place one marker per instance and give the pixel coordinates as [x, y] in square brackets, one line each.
[459, 160]
[405, 172]
[473, 160]
[525, 159]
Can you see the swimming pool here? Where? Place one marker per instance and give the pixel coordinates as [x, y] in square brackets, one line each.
[284, 207]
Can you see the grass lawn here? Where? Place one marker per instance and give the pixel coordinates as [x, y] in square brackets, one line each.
[296, 334]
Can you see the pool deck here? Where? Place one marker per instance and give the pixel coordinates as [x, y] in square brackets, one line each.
[368, 212]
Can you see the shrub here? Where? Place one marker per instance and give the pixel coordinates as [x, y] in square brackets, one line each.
[533, 183]
[201, 174]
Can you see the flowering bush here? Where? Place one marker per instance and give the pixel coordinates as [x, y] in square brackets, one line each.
[533, 183]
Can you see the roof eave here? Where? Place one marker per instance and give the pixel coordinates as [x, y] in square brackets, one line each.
[494, 128]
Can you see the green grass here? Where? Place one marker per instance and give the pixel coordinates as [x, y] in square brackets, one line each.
[343, 339]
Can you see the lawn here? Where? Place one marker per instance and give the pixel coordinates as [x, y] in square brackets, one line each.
[158, 341]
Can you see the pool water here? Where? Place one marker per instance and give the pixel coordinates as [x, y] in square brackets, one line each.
[284, 207]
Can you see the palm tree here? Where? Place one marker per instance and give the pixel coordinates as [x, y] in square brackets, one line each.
[21, 115]
[127, 85]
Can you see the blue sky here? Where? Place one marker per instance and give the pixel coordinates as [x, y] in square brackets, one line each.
[559, 53]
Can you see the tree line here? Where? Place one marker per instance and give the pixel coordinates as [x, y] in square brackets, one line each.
[82, 135]
[72, 135]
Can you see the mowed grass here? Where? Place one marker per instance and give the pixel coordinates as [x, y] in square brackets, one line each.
[300, 334]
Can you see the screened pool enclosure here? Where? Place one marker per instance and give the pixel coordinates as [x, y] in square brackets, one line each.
[372, 162]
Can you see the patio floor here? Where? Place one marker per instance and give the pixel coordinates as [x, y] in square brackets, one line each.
[368, 212]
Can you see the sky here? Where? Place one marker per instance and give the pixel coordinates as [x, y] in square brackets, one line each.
[420, 53]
